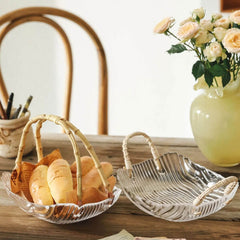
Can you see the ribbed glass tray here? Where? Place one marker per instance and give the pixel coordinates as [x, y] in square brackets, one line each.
[60, 213]
[169, 194]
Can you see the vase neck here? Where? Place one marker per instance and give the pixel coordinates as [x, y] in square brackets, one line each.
[220, 92]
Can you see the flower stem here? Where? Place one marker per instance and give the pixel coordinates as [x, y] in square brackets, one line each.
[191, 47]
[215, 80]
[173, 35]
[180, 40]
[234, 66]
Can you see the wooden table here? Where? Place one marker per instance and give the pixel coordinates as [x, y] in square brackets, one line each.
[15, 224]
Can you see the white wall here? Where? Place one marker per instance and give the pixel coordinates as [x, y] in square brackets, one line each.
[149, 90]
[28, 60]
[212, 6]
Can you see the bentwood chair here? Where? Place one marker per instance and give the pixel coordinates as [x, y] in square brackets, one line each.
[42, 14]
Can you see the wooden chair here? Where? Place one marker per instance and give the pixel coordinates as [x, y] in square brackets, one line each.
[40, 14]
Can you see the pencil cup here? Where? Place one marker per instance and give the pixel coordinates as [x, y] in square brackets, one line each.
[10, 135]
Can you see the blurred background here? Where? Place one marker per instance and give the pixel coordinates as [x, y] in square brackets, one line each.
[149, 90]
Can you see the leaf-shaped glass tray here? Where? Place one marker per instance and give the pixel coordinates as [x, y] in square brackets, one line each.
[64, 213]
[172, 187]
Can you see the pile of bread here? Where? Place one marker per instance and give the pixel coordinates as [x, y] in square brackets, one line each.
[53, 180]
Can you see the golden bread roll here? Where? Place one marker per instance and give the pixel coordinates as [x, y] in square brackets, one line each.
[93, 179]
[112, 181]
[38, 186]
[89, 195]
[92, 195]
[59, 179]
[71, 196]
[86, 165]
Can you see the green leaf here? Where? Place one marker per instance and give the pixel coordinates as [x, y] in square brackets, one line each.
[198, 69]
[235, 25]
[226, 79]
[210, 64]
[217, 70]
[208, 78]
[178, 48]
[226, 63]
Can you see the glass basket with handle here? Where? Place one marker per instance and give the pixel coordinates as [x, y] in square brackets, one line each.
[61, 213]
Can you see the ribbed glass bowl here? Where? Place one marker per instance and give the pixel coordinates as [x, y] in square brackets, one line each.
[170, 194]
[60, 213]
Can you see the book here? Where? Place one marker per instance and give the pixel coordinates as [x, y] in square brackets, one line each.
[124, 235]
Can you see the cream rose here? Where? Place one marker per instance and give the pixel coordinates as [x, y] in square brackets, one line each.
[188, 31]
[213, 51]
[202, 37]
[231, 41]
[206, 25]
[219, 33]
[198, 13]
[235, 17]
[222, 22]
[216, 16]
[164, 25]
[190, 19]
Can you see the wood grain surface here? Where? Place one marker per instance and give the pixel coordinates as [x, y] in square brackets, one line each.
[15, 224]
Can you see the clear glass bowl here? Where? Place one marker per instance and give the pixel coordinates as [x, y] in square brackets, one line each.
[170, 194]
[60, 213]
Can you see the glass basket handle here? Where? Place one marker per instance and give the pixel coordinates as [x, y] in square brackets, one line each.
[154, 151]
[229, 181]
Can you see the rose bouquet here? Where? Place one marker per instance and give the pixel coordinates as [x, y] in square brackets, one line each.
[216, 43]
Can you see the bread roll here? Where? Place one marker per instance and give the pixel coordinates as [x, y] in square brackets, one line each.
[86, 165]
[59, 179]
[92, 195]
[38, 186]
[89, 195]
[112, 181]
[93, 179]
[71, 196]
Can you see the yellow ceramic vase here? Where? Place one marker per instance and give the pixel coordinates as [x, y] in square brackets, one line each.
[215, 121]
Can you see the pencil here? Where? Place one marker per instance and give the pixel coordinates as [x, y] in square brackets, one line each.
[26, 106]
[9, 105]
[2, 112]
[16, 113]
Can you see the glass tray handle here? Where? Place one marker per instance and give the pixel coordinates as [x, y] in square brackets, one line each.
[229, 181]
[154, 151]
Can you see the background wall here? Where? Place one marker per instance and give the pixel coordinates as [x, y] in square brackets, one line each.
[149, 90]
[28, 60]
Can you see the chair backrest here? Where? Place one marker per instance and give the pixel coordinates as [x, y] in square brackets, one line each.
[38, 14]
